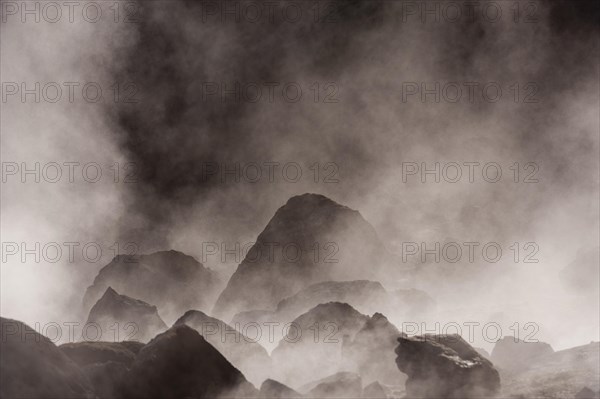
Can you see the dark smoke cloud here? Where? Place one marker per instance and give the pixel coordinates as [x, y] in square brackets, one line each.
[368, 51]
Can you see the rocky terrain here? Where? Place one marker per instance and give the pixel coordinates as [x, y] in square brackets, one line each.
[561, 374]
[245, 353]
[315, 339]
[90, 352]
[119, 317]
[314, 239]
[172, 281]
[31, 366]
[335, 341]
[371, 352]
[445, 366]
[180, 363]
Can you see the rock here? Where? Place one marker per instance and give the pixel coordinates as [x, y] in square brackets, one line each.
[514, 355]
[339, 385]
[316, 240]
[271, 389]
[133, 346]
[180, 363]
[120, 317]
[363, 295]
[106, 378]
[314, 340]
[171, 280]
[587, 393]
[31, 366]
[557, 375]
[243, 352]
[445, 366]
[372, 351]
[103, 363]
[376, 391]
[85, 353]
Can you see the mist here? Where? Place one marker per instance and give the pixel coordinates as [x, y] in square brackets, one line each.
[357, 100]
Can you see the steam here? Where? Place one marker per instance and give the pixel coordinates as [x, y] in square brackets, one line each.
[369, 53]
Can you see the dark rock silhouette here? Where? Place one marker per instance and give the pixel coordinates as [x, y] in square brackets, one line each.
[445, 366]
[31, 366]
[180, 363]
[514, 355]
[309, 239]
[271, 389]
[561, 374]
[314, 340]
[372, 351]
[106, 378]
[243, 352]
[105, 364]
[339, 385]
[171, 280]
[85, 353]
[120, 317]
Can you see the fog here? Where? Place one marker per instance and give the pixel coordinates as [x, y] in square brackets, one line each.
[370, 54]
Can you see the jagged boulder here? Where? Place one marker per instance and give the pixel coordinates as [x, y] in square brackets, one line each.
[514, 355]
[242, 351]
[371, 351]
[180, 363]
[271, 389]
[339, 385]
[312, 346]
[309, 239]
[445, 366]
[171, 280]
[31, 366]
[119, 317]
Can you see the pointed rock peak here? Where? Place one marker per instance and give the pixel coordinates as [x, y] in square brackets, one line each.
[311, 200]
[306, 205]
[110, 295]
[196, 315]
[181, 363]
[379, 317]
[271, 389]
